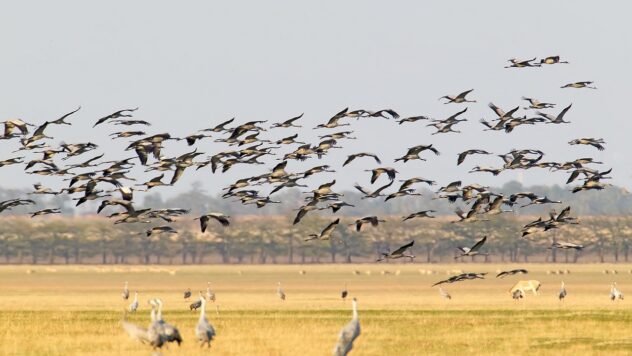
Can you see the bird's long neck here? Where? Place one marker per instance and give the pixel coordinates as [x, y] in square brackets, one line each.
[355, 310]
[203, 309]
[135, 297]
[159, 315]
[153, 314]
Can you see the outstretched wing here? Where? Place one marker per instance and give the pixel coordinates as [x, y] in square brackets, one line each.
[403, 248]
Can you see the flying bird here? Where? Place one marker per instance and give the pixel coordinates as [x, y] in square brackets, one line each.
[219, 217]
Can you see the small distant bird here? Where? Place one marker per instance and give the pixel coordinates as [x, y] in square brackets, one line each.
[559, 119]
[517, 294]
[566, 245]
[187, 293]
[198, 303]
[504, 274]
[578, 85]
[518, 63]
[45, 212]
[344, 292]
[348, 334]
[615, 293]
[125, 293]
[420, 214]
[562, 293]
[399, 253]
[458, 98]
[464, 154]
[280, 291]
[472, 251]
[373, 220]
[595, 142]
[134, 306]
[204, 219]
[536, 104]
[552, 60]
[325, 234]
[444, 294]
[210, 295]
[350, 158]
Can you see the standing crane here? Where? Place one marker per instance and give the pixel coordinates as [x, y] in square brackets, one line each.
[210, 295]
[615, 293]
[348, 334]
[280, 291]
[562, 294]
[204, 331]
[125, 293]
[134, 306]
[167, 331]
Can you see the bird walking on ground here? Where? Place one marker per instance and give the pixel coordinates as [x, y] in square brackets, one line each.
[187, 294]
[348, 334]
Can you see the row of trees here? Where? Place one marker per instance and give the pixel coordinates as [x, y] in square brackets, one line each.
[272, 239]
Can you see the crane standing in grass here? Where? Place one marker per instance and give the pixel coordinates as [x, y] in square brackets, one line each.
[280, 291]
[348, 334]
[168, 332]
[134, 305]
[562, 294]
[204, 331]
[125, 293]
[210, 295]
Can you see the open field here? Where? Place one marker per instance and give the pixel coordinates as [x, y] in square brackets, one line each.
[64, 310]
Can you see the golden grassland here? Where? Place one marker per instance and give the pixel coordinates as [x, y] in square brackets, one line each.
[75, 310]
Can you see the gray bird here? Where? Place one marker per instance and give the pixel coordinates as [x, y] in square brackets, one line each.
[562, 294]
[204, 331]
[348, 334]
[125, 293]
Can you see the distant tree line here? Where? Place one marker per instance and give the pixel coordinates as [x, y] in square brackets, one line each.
[272, 239]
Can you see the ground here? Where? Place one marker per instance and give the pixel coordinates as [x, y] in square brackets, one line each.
[74, 310]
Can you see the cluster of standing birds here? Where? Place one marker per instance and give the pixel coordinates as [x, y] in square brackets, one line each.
[160, 333]
[89, 179]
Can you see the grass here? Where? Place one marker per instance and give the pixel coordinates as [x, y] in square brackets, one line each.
[75, 310]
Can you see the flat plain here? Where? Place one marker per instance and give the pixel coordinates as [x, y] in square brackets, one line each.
[76, 310]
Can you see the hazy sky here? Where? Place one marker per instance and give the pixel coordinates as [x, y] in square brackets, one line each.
[190, 65]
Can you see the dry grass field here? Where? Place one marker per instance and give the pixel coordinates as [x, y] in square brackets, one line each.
[75, 310]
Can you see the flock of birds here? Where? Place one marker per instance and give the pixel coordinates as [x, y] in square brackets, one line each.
[88, 179]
